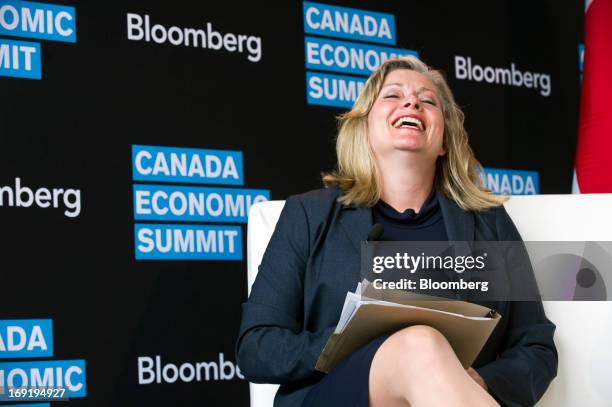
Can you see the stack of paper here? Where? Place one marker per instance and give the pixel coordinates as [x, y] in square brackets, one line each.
[369, 313]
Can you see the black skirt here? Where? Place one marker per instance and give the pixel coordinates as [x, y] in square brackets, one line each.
[347, 383]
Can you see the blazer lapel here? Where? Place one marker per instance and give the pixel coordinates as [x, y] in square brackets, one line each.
[356, 222]
[460, 230]
[459, 223]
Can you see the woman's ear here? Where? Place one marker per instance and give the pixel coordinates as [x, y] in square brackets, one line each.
[443, 146]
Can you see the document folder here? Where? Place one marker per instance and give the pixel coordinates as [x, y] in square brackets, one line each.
[369, 313]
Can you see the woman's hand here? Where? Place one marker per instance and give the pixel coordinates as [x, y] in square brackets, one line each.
[477, 378]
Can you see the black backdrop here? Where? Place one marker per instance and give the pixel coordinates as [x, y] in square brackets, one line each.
[75, 128]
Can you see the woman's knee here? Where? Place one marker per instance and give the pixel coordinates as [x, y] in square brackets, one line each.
[418, 344]
[404, 361]
[420, 337]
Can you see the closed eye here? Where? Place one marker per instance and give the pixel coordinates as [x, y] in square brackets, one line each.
[391, 96]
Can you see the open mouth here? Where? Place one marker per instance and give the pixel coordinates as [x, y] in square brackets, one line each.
[408, 122]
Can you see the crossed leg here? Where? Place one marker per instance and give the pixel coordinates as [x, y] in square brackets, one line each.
[416, 367]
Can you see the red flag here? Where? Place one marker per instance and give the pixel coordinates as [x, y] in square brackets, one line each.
[594, 150]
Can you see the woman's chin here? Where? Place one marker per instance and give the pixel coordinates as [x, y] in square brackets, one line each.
[414, 146]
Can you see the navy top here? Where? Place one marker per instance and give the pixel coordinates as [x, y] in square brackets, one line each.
[426, 225]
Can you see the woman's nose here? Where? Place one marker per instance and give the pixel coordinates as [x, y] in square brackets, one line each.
[412, 101]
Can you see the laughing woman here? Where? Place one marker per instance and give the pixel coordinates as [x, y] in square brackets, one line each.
[404, 162]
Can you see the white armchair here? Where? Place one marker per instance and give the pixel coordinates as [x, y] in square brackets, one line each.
[584, 329]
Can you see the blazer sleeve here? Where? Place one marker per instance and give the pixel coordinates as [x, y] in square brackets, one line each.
[528, 362]
[273, 346]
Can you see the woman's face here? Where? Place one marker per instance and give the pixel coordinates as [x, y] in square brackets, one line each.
[406, 116]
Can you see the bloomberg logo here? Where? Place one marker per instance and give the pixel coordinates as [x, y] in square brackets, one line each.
[509, 76]
[157, 206]
[24, 19]
[344, 57]
[33, 338]
[153, 370]
[510, 182]
[21, 196]
[141, 28]
[581, 59]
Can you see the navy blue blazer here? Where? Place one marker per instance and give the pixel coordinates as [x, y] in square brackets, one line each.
[313, 259]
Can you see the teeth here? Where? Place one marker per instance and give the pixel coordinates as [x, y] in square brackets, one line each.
[406, 121]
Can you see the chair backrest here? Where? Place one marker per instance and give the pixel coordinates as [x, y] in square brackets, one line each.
[262, 220]
[584, 329]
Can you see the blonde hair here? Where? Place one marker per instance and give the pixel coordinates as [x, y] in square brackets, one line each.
[457, 172]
